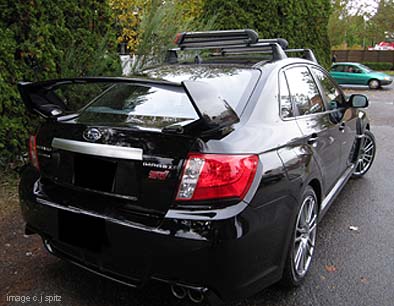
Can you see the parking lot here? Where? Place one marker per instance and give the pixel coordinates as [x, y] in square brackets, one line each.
[353, 263]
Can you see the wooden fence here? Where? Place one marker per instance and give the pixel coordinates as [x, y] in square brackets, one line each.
[364, 56]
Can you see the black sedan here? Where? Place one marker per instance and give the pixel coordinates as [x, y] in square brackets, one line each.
[210, 176]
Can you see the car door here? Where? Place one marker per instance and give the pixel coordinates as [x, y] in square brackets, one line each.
[363, 76]
[342, 116]
[314, 122]
[347, 74]
[318, 130]
[338, 73]
[354, 75]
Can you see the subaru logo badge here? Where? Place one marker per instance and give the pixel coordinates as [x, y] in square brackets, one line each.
[92, 134]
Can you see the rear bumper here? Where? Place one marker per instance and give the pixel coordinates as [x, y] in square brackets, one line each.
[233, 258]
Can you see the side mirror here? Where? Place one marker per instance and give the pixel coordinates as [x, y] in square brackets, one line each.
[358, 101]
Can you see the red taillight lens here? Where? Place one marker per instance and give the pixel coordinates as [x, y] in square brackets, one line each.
[33, 151]
[216, 176]
[178, 37]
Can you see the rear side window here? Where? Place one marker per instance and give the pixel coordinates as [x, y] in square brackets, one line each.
[303, 91]
[146, 106]
[338, 68]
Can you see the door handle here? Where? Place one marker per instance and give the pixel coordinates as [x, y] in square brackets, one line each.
[342, 126]
[313, 139]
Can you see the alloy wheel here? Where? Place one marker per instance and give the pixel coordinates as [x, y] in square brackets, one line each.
[305, 236]
[367, 154]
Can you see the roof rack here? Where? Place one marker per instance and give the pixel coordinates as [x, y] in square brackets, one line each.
[262, 48]
[272, 46]
[268, 48]
[233, 42]
[215, 39]
[308, 54]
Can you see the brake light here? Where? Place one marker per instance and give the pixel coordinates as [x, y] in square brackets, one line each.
[216, 176]
[178, 38]
[33, 151]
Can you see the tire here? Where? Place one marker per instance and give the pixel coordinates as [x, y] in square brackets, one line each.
[374, 84]
[302, 242]
[367, 155]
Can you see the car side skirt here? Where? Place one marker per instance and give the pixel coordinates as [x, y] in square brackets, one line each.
[331, 196]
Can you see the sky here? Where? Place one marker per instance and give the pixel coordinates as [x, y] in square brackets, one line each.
[365, 6]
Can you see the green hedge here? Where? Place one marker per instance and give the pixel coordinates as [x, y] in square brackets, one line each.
[302, 23]
[47, 39]
[380, 66]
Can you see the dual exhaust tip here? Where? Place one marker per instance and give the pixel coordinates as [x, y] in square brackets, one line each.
[181, 292]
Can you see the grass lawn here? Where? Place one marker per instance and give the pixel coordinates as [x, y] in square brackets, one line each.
[389, 72]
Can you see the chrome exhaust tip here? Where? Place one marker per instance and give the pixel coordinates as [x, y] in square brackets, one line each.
[178, 291]
[196, 296]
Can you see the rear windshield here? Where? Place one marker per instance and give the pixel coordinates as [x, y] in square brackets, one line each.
[158, 106]
[233, 84]
[145, 106]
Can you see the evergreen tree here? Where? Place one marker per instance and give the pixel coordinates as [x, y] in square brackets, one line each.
[48, 39]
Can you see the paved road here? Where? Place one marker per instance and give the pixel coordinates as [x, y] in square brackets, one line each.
[350, 267]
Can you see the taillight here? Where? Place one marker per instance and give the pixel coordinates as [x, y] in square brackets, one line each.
[216, 176]
[178, 38]
[33, 152]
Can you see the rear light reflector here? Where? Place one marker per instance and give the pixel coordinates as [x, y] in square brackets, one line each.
[33, 151]
[216, 176]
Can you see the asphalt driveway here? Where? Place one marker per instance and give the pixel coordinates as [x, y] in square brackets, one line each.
[353, 264]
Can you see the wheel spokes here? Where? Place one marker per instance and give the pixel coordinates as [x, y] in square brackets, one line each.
[366, 157]
[368, 147]
[305, 235]
[297, 258]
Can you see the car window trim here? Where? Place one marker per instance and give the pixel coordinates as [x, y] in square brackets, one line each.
[279, 97]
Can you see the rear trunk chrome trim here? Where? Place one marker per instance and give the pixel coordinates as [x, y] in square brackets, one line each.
[97, 149]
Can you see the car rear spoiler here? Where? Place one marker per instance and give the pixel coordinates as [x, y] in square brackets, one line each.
[213, 111]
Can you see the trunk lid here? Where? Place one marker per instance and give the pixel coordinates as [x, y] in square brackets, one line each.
[118, 148]
[144, 182]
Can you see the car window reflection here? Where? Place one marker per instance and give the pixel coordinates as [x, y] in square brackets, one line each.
[303, 91]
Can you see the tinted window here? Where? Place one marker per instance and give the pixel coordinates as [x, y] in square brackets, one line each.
[286, 109]
[352, 69]
[303, 91]
[331, 92]
[338, 68]
[128, 104]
